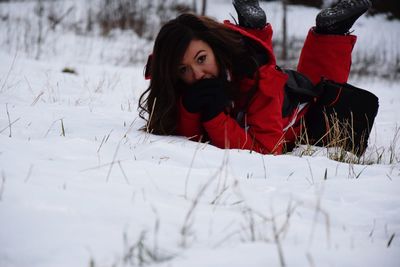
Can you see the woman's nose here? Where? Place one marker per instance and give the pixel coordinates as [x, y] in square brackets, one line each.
[198, 74]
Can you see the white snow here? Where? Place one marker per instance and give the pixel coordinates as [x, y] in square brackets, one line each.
[81, 185]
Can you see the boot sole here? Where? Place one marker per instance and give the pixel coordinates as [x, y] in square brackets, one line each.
[251, 16]
[329, 17]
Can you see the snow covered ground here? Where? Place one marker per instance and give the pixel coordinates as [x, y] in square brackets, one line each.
[80, 185]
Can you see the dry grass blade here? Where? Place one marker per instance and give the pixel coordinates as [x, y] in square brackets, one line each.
[101, 166]
[9, 125]
[191, 165]
[393, 148]
[264, 167]
[28, 176]
[62, 128]
[51, 126]
[113, 160]
[341, 141]
[390, 240]
[317, 211]
[3, 181]
[310, 259]
[151, 116]
[37, 98]
[141, 253]
[187, 221]
[9, 121]
[278, 243]
[9, 72]
[185, 229]
[123, 172]
[219, 195]
[312, 175]
[104, 140]
[116, 151]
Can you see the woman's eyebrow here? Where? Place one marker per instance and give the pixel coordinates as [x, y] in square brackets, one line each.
[198, 53]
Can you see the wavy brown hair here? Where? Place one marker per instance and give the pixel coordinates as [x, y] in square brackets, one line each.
[159, 103]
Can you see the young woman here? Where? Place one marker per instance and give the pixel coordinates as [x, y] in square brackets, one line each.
[220, 83]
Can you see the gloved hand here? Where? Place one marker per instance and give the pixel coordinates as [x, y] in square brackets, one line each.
[207, 97]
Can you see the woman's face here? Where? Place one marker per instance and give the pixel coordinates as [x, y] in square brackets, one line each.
[198, 63]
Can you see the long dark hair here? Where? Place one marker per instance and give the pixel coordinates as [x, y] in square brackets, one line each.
[160, 101]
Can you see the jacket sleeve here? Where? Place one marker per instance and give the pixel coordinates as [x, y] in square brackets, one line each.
[189, 124]
[264, 118]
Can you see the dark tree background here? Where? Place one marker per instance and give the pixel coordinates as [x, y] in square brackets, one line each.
[389, 7]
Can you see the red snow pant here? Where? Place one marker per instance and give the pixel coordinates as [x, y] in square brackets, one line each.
[327, 56]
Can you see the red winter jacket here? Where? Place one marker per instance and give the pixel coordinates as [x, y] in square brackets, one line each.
[326, 56]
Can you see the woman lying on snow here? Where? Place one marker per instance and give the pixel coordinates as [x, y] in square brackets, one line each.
[220, 82]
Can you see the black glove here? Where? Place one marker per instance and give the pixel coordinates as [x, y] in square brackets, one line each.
[206, 96]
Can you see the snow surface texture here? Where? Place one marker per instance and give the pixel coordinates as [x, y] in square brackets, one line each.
[80, 185]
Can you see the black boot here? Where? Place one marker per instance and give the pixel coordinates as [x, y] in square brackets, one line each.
[340, 18]
[250, 14]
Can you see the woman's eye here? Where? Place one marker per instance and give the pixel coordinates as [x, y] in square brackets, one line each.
[201, 59]
[182, 70]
